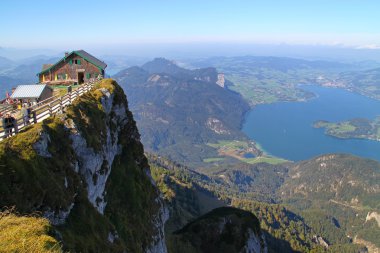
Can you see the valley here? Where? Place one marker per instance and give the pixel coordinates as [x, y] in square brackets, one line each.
[242, 170]
[298, 205]
[263, 80]
[248, 152]
[211, 145]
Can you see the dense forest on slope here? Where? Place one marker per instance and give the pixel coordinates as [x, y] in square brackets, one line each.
[224, 229]
[341, 187]
[291, 223]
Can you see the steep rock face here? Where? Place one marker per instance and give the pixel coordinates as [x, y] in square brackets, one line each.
[224, 229]
[85, 171]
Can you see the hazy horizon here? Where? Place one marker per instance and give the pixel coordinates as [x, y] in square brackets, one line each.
[202, 50]
[345, 30]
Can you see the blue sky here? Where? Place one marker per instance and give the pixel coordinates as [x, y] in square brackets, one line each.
[60, 24]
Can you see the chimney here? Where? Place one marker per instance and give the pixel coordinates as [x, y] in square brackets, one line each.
[66, 54]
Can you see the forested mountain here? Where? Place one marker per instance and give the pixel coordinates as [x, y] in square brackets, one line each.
[179, 111]
[338, 193]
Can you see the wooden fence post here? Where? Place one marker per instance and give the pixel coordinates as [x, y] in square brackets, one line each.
[16, 126]
[34, 117]
[60, 104]
[50, 110]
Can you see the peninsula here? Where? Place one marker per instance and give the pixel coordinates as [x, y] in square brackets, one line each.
[355, 128]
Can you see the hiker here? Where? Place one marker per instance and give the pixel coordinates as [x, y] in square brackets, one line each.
[19, 105]
[3, 122]
[25, 115]
[9, 124]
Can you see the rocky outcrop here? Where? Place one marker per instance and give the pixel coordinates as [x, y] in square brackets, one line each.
[158, 244]
[224, 229]
[254, 243]
[373, 215]
[95, 167]
[217, 126]
[221, 81]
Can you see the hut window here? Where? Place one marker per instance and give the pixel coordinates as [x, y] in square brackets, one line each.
[88, 75]
[71, 62]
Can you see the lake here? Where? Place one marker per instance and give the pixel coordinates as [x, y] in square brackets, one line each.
[286, 129]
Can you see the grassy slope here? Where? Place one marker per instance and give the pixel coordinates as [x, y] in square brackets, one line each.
[25, 234]
[238, 149]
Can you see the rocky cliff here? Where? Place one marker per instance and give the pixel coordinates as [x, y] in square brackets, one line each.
[85, 171]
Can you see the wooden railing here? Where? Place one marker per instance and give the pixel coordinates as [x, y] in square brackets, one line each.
[47, 108]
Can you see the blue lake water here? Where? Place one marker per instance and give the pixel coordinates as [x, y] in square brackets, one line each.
[286, 129]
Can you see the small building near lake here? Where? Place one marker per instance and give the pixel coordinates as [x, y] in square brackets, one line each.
[76, 67]
[32, 92]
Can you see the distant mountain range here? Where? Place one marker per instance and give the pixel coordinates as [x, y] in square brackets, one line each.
[262, 80]
[275, 63]
[6, 63]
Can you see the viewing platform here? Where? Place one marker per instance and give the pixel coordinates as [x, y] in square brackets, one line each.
[44, 109]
